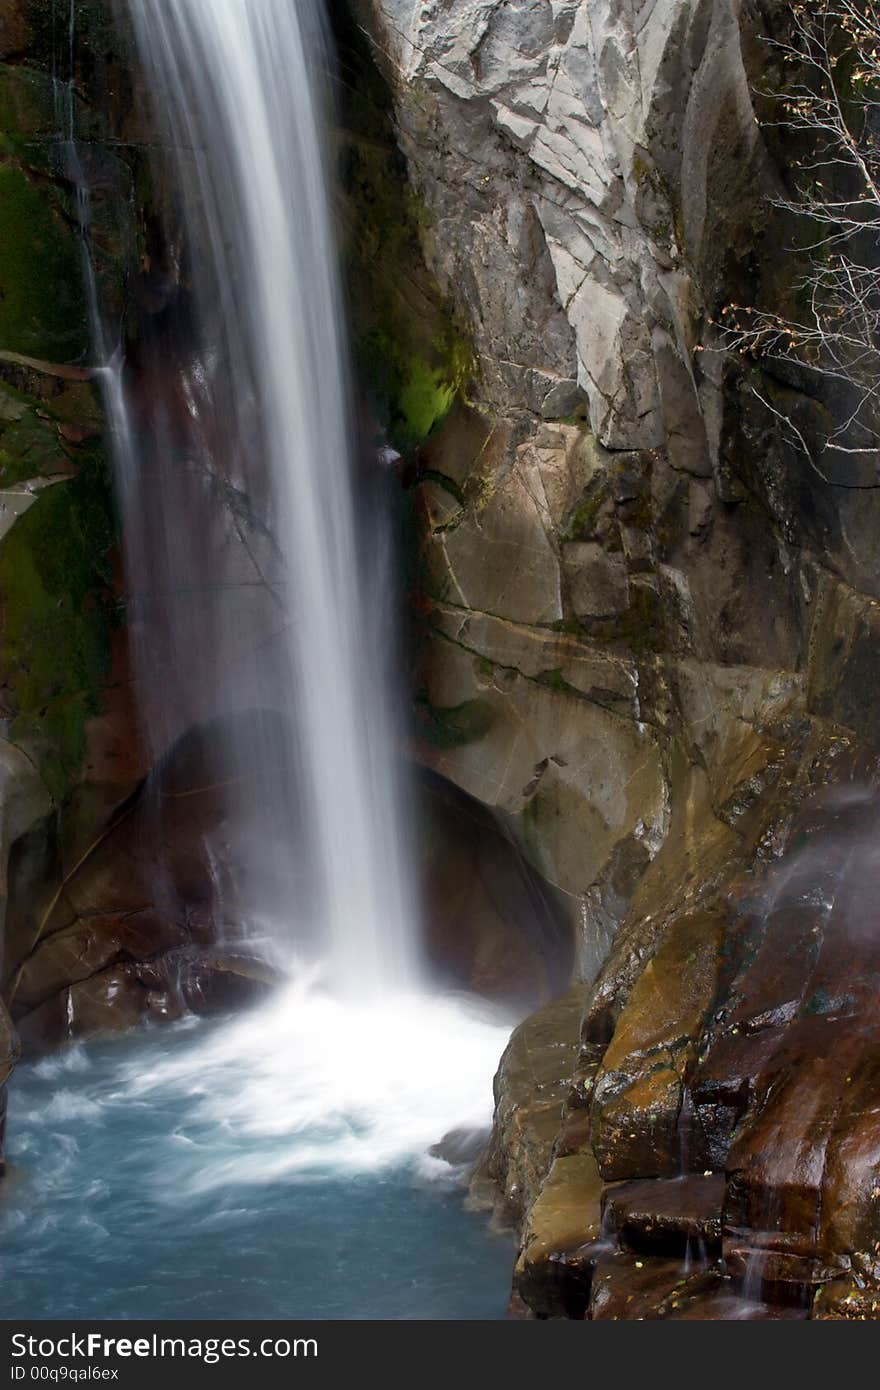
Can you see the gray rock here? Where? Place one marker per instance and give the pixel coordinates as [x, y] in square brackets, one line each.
[597, 582]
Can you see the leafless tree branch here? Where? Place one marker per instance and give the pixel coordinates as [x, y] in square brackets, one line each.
[833, 100]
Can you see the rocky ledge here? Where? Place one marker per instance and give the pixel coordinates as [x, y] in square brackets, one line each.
[704, 1143]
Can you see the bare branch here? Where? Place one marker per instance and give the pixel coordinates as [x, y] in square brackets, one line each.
[833, 100]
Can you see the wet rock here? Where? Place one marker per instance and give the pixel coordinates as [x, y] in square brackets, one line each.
[671, 1216]
[460, 1147]
[9, 1046]
[209, 982]
[625, 1286]
[150, 885]
[778, 1160]
[725, 1085]
[639, 1088]
[762, 1269]
[157, 991]
[518, 1310]
[847, 1300]
[110, 1002]
[553, 1273]
[532, 1084]
[87, 947]
[850, 1208]
[729, 1307]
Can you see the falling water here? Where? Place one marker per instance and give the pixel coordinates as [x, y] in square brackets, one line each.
[259, 580]
[270, 589]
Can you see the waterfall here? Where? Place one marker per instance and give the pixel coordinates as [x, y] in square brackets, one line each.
[259, 582]
[257, 562]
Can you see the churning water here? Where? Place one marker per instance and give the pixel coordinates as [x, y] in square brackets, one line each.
[159, 1177]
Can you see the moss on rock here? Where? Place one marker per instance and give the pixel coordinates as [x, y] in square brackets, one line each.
[55, 649]
[42, 304]
[27, 111]
[455, 726]
[411, 353]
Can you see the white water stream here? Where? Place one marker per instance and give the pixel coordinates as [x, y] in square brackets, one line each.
[240, 84]
[357, 1065]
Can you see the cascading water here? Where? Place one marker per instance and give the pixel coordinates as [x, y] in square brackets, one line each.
[237, 84]
[258, 563]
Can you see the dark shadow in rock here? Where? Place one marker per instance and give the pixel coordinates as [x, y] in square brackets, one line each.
[158, 915]
[492, 924]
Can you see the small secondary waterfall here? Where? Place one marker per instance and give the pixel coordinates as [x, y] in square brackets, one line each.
[260, 587]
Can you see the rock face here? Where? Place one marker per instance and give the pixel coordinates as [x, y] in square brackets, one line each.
[646, 636]
[618, 570]
[70, 752]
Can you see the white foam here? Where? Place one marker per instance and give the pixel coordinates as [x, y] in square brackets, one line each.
[312, 1086]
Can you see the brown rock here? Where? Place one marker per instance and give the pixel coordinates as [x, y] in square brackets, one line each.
[492, 925]
[531, 1087]
[669, 1216]
[729, 1307]
[554, 1269]
[640, 1085]
[14, 31]
[846, 1299]
[625, 1286]
[89, 946]
[209, 982]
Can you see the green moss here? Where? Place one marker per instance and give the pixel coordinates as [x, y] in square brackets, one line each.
[640, 513]
[584, 520]
[414, 393]
[54, 655]
[26, 107]
[570, 626]
[455, 726]
[29, 448]
[425, 397]
[30, 445]
[556, 681]
[641, 629]
[42, 304]
[579, 419]
[485, 668]
[413, 358]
